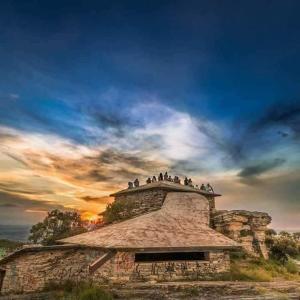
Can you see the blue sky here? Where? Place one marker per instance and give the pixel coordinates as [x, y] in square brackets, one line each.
[96, 93]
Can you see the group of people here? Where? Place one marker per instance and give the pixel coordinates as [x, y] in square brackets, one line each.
[176, 179]
[162, 177]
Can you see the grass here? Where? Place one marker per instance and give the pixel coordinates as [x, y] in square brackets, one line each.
[8, 246]
[70, 290]
[2, 252]
[245, 268]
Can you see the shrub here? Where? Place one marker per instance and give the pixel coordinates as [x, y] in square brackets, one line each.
[283, 247]
[259, 269]
[245, 232]
[10, 245]
[66, 286]
[291, 267]
[94, 293]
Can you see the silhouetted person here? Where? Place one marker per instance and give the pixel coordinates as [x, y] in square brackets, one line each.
[130, 185]
[154, 179]
[160, 177]
[202, 188]
[166, 177]
[186, 181]
[136, 183]
[209, 188]
[148, 180]
[190, 182]
[170, 178]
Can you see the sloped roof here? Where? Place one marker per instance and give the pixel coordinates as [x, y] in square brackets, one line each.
[39, 248]
[165, 185]
[181, 223]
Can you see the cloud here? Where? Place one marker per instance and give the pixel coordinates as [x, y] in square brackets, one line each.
[23, 189]
[103, 200]
[261, 167]
[68, 173]
[277, 195]
[285, 114]
[16, 209]
[8, 205]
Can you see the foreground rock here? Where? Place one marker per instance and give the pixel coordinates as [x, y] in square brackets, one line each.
[191, 290]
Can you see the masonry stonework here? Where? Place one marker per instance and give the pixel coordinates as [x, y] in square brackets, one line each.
[32, 271]
[123, 268]
[245, 227]
[142, 202]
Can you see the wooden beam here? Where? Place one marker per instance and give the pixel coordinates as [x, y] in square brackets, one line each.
[101, 261]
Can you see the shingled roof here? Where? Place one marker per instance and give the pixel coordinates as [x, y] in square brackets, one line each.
[181, 224]
[165, 185]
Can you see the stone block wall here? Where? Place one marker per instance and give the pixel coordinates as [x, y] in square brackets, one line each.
[123, 268]
[245, 227]
[32, 271]
[142, 202]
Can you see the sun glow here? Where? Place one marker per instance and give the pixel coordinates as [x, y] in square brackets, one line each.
[89, 216]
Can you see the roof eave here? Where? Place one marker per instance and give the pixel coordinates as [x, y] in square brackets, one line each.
[179, 188]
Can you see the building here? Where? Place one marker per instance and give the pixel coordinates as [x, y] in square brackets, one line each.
[170, 235]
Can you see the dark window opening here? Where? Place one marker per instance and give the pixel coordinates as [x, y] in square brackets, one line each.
[170, 256]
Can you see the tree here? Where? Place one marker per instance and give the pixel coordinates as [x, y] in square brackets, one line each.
[57, 225]
[270, 234]
[283, 247]
[296, 236]
[285, 234]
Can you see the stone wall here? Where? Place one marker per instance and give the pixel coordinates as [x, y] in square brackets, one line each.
[123, 268]
[32, 271]
[245, 227]
[142, 202]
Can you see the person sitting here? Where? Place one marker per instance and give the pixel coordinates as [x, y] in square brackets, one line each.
[136, 183]
[130, 185]
[160, 177]
[170, 178]
[166, 177]
[186, 181]
[148, 180]
[176, 179]
[209, 188]
[154, 179]
[202, 187]
[190, 182]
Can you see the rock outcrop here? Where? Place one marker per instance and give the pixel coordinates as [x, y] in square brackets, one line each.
[245, 227]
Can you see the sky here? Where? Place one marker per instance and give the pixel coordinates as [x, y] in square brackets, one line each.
[94, 94]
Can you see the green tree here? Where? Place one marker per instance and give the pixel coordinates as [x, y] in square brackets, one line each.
[285, 234]
[57, 225]
[296, 236]
[270, 234]
[284, 246]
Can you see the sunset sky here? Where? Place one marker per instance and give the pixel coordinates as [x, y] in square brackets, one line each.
[94, 94]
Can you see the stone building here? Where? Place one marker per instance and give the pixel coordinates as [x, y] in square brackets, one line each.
[245, 227]
[172, 234]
